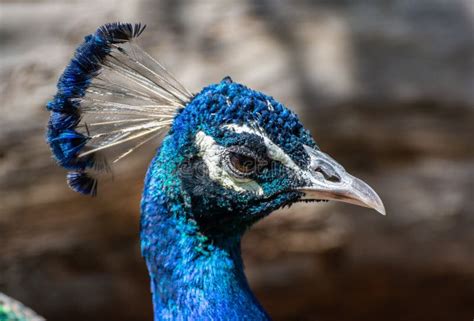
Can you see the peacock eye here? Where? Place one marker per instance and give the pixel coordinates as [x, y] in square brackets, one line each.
[242, 164]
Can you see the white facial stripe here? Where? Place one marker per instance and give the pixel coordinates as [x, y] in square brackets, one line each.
[274, 151]
[211, 153]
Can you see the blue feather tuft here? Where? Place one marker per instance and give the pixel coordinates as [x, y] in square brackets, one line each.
[117, 32]
[61, 120]
[82, 183]
[65, 145]
[64, 140]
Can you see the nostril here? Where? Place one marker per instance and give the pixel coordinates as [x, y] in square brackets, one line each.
[332, 177]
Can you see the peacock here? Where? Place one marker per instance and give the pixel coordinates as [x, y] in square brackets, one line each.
[12, 310]
[229, 156]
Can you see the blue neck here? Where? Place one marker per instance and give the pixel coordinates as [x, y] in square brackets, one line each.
[193, 275]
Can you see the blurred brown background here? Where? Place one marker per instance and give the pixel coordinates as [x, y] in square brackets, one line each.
[387, 88]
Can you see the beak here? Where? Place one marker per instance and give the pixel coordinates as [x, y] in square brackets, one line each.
[327, 180]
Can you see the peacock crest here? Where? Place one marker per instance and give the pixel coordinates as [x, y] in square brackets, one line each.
[112, 94]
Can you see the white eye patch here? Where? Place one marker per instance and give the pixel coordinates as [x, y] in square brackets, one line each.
[274, 151]
[212, 153]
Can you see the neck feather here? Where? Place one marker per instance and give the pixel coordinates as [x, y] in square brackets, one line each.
[193, 275]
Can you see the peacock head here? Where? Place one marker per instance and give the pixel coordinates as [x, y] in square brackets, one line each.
[240, 154]
[231, 154]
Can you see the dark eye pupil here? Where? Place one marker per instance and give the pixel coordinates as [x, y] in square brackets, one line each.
[242, 163]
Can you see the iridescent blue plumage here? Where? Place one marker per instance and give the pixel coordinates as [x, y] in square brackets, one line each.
[64, 140]
[231, 156]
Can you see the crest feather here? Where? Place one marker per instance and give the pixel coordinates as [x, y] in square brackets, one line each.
[111, 94]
